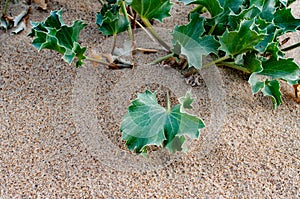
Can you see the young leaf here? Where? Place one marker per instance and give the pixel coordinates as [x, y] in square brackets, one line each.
[53, 34]
[152, 9]
[110, 21]
[148, 123]
[243, 40]
[187, 39]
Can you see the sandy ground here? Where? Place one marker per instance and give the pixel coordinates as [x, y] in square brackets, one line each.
[59, 137]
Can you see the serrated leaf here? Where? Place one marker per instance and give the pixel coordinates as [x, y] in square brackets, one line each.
[268, 88]
[148, 123]
[110, 20]
[286, 21]
[152, 9]
[243, 40]
[191, 44]
[235, 19]
[285, 69]
[53, 34]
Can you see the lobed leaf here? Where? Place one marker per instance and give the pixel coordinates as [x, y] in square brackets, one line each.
[286, 21]
[243, 40]
[188, 41]
[148, 123]
[53, 34]
[285, 69]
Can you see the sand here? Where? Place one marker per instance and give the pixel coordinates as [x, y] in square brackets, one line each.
[59, 126]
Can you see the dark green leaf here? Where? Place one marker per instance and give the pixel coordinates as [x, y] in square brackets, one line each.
[111, 21]
[285, 20]
[147, 123]
[234, 20]
[152, 9]
[252, 63]
[243, 40]
[53, 34]
[285, 69]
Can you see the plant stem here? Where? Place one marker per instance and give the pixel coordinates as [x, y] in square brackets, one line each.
[168, 102]
[216, 61]
[162, 58]
[114, 43]
[97, 60]
[234, 66]
[212, 29]
[5, 7]
[198, 8]
[123, 8]
[155, 35]
[141, 26]
[291, 47]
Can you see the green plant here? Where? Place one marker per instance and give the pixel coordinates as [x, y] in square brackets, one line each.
[240, 34]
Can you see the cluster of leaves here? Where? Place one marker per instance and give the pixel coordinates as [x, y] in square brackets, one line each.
[241, 34]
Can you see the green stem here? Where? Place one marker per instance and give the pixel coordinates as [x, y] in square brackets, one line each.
[168, 102]
[123, 9]
[212, 29]
[141, 26]
[152, 31]
[160, 59]
[5, 7]
[114, 43]
[234, 66]
[97, 60]
[291, 47]
[216, 61]
[196, 9]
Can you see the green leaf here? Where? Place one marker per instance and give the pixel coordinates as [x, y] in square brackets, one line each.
[110, 20]
[53, 34]
[272, 89]
[252, 63]
[213, 6]
[186, 101]
[233, 5]
[268, 88]
[152, 9]
[255, 83]
[234, 20]
[285, 69]
[243, 40]
[286, 21]
[148, 123]
[187, 39]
